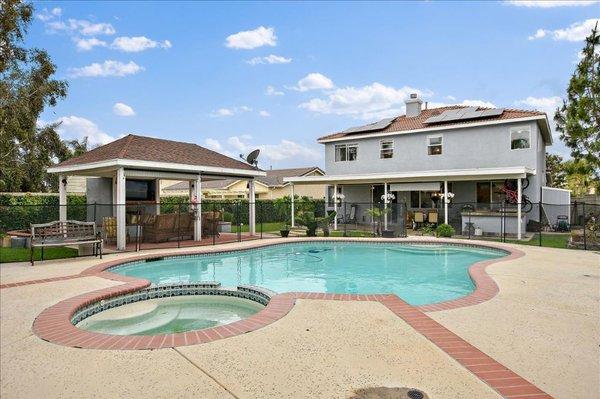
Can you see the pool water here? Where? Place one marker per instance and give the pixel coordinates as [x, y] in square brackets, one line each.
[171, 315]
[419, 274]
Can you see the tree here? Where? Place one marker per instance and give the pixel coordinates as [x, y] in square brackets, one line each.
[556, 171]
[580, 177]
[578, 119]
[26, 88]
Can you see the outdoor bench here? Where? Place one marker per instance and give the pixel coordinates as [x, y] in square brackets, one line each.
[62, 233]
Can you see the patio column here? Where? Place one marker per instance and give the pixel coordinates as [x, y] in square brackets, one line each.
[446, 201]
[121, 211]
[196, 202]
[293, 218]
[519, 194]
[335, 204]
[157, 195]
[252, 207]
[62, 198]
[385, 202]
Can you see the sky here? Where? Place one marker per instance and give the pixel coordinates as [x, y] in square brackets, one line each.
[277, 75]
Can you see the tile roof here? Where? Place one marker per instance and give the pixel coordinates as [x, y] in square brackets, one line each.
[273, 178]
[157, 150]
[403, 123]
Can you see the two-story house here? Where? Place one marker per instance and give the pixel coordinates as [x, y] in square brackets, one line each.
[471, 152]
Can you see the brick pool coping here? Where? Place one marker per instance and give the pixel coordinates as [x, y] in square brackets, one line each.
[54, 323]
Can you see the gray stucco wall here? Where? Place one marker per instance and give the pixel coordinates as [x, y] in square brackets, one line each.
[99, 191]
[474, 147]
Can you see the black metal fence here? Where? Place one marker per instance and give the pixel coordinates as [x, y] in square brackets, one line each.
[171, 224]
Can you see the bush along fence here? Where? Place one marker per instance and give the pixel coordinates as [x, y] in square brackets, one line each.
[575, 225]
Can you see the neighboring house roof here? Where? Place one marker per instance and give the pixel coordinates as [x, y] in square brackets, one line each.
[157, 150]
[274, 178]
[408, 124]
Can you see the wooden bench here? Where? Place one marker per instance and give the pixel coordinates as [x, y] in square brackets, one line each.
[60, 234]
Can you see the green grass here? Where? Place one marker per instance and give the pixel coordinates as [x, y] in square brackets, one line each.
[555, 240]
[266, 227]
[22, 254]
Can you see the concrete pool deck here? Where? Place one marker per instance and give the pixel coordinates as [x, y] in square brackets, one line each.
[543, 324]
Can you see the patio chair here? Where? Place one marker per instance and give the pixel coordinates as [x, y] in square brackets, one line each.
[109, 229]
[419, 219]
[432, 217]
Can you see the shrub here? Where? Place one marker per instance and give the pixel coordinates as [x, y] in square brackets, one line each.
[227, 217]
[444, 230]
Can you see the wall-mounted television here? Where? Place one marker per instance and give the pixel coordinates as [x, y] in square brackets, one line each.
[140, 190]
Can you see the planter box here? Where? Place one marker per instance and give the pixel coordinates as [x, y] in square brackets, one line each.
[5, 243]
[224, 227]
[387, 233]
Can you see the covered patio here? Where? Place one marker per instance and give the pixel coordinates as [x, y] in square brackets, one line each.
[422, 192]
[127, 173]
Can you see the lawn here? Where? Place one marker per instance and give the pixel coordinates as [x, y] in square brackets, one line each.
[23, 254]
[548, 240]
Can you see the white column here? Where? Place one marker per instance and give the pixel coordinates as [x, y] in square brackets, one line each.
[519, 193]
[335, 204]
[252, 207]
[62, 198]
[121, 211]
[157, 195]
[446, 201]
[197, 207]
[385, 202]
[293, 217]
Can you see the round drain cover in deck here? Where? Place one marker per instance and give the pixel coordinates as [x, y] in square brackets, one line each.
[388, 393]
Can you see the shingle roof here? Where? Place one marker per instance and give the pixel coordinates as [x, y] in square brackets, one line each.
[157, 150]
[273, 178]
[403, 123]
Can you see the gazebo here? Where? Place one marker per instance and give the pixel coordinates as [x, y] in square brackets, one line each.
[143, 162]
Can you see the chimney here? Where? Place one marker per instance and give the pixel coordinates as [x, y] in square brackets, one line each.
[413, 106]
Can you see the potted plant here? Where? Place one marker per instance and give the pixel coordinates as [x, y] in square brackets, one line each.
[444, 230]
[285, 230]
[325, 221]
[224, 226]
[378, 214]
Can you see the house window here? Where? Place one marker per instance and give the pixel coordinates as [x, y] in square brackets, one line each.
[346, 152]
[434, 145]
[387, 149]
[520, 138]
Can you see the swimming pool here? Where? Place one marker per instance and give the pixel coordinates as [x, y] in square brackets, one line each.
[419, 274]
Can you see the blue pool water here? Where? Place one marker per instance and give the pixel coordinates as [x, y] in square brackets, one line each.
[419, 274]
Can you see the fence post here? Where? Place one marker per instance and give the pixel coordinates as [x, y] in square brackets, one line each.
[260, 206]
[210, 228]
[179, 224]
[345, 220]
[540, 219]
[584, 238]
[138, 229]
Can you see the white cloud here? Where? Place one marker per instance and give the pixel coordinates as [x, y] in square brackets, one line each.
[47, 15]
[88, 28]
[106, 69]
[576, 32]
[76, 127]
[224, 112]
[265, 114]
[271, 91]
[137, 43]
[478, 103]
[367, 102]
[314, 81]
[282, 151]
[122, 109]
[551, 3]
[251, 39]
[269, 59]
[213, 144]
[88, 44]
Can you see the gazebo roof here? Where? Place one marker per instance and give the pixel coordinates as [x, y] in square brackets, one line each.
[151, 153]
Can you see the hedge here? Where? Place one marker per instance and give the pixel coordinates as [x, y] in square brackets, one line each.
[18, 212]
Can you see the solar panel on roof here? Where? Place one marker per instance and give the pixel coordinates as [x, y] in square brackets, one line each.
[382, 124]
[464, 114]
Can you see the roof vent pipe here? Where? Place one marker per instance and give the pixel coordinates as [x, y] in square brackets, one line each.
[413, 106]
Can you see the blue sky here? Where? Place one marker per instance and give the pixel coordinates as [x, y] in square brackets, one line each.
[237, 76]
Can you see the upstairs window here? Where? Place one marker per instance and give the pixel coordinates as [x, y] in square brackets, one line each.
[434, 145]
[387, 149]
[346, 152]
[520, 138]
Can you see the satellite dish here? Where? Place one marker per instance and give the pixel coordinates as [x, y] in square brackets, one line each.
[252, 158]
